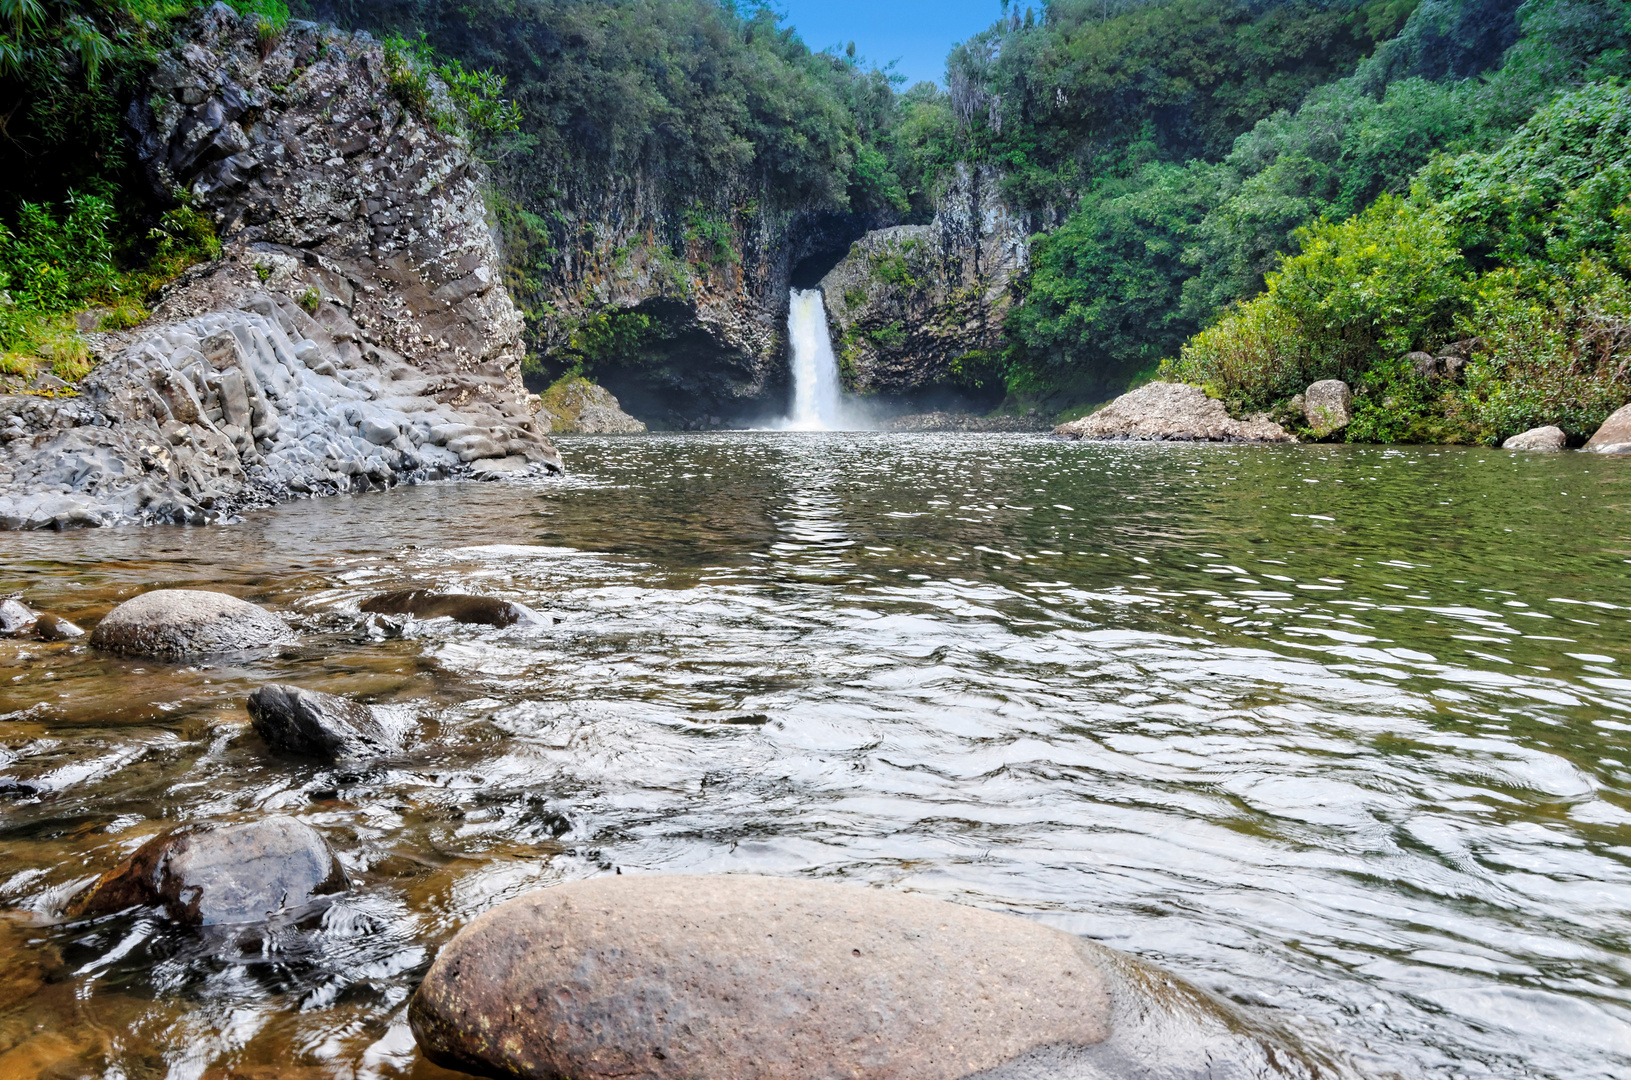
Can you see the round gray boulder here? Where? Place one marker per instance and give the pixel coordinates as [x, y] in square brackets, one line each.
[1328, 404]
[1614, 437]
[1163, 411]
[206, 875]
[177, 623]
[1546, 439]
[733, 977]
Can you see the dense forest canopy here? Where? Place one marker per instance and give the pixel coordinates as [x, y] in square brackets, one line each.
[1180, 157]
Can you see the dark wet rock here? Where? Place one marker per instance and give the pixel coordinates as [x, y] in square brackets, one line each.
[1541, 438]
[205, 875]
[15, 616]
[1614, 437]
[733, 977]
[424, 604]
[317, 725]
[1162, 411]
[175, 623]
[1328, 404]
[49, 627]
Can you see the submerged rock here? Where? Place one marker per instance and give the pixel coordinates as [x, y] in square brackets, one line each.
[318, 725]
[206, 875]
[1614, 437]
[1328, 404]
[424, 604]
[15, 617]
[176, 623]
[49, 627]
[734, 977]
[1163, 411]
[1541, 438]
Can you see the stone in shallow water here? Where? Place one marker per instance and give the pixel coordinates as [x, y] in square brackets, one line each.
[734, 977]
[175, 623]
[15, 616]
[317, 725]
[51, 627]
[208, 875]
[460, 607]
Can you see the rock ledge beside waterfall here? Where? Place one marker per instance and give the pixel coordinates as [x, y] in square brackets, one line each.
[354, 334]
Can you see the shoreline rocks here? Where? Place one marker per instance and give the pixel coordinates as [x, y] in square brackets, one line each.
[1175, 412]
[208, 875]
[1328, 405]
[1544, 439]
[737, 977]
[1614, 436]
[311, 724]
[173, 624]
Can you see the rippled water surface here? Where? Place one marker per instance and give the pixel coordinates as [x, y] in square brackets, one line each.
[1340, 733]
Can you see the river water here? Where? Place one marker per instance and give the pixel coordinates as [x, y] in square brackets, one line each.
[1340, 733]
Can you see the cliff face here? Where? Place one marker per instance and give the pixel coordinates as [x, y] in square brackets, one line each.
[914, 306]
[353, 335]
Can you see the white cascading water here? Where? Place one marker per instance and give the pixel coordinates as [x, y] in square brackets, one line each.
[817, 395]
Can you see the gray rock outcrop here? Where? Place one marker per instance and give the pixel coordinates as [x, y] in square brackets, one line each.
[1542, 438]
[581, 407]
[212, 875]
[460, 607]
[908, 303]
[1614, 437]
[308, 723]
[1328, 405]
[352, 336]
[1162, 411]
[174, 624]
[735, 977]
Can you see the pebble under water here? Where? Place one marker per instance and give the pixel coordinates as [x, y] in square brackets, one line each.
[1339, 733]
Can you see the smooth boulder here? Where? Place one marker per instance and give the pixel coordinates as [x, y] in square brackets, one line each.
[1546, 439]
[49, 627]
[317, 725]
[177, 623]
[208, 875]
[460, 607]
[1614, 437]
[735, 977]
[1328, 404]
[1162, 411]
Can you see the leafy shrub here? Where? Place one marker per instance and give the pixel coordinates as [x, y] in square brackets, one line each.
[53, 263]
[475, 105]
[1380, 284]
[614, 338]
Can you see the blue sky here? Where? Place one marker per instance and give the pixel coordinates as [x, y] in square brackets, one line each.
[917, 32]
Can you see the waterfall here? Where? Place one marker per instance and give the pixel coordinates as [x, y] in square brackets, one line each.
[817, 401]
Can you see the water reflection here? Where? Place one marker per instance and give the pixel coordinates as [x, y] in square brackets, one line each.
[1338, 732]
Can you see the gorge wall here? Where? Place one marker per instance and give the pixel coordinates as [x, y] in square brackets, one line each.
[353, 335]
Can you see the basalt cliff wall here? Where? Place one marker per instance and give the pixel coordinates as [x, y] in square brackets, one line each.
[353, 335]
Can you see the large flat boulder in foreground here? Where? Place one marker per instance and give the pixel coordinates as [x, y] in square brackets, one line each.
[177, 623]
[734, 977]
[1178, 412]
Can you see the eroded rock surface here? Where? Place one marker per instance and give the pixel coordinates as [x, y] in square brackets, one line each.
[312, 724]
[1614, 437]
[460, 607]
[353, 335]
[207, 875]
[174, 624]
[585, 408]
[734, 977]
[1162, 411]
[1546, 439]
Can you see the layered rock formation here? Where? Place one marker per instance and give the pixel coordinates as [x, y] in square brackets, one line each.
[917, 305]
[354, 334]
